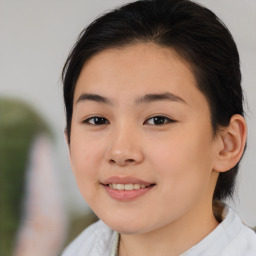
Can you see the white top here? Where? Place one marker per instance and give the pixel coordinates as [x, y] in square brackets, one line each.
[230, 238]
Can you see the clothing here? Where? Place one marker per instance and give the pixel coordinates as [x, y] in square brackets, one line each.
[97, 240]
[230, 238]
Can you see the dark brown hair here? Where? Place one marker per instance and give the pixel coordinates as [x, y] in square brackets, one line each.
[196, 34]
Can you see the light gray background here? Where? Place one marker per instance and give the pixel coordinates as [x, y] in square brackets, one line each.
[35, 38]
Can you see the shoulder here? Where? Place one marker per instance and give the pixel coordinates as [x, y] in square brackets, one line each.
[244, 240]
[238, 239]
[230, 237]
[95, 240]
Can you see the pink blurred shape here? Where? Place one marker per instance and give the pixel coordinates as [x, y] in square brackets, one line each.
[43, 228]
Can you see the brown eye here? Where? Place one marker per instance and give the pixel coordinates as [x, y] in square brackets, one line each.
[159, 120]
[96, 120]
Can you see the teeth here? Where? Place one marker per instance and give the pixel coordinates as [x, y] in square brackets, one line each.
[120, 186]
[126, 186]
[136, 186]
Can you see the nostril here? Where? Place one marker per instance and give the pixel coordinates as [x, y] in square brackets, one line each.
[122, 162]
[130, 160]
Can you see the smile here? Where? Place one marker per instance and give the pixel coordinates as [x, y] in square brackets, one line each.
[127, 186]
[127, 192]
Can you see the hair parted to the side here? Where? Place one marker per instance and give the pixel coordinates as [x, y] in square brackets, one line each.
[196, 34]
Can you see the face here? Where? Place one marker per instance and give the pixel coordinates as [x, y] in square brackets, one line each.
[142, 147]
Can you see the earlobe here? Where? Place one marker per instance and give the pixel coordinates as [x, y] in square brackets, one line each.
[232, 143]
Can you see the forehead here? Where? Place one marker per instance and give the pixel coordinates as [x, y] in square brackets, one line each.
[137, 70]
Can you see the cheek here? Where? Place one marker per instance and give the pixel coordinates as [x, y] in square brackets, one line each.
[85, 158]
[84, 150]
[184, 164]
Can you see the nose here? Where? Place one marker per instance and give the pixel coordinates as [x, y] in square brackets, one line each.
[125, 148]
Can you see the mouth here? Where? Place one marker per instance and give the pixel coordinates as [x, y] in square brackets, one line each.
[126, 188]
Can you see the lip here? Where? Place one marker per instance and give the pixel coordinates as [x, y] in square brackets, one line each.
[125, 180]
[126, 195]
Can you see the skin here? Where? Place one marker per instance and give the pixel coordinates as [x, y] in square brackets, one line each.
[181, 157]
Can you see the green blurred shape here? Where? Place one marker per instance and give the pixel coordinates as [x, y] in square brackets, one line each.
[19, 125]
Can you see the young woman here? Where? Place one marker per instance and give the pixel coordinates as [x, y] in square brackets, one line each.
[155, 130]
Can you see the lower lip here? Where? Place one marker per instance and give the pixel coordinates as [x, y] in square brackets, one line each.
[126, 195]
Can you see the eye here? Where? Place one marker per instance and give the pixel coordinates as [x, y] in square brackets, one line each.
[159, 120]
[96, 120]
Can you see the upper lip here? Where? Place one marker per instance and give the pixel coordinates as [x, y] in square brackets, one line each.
[125, 180]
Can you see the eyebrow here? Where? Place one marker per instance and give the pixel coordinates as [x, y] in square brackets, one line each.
[93, 97]
[159, 97]
[152, 97]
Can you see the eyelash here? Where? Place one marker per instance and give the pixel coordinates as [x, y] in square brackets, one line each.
[96, 119]
[103, 121]
[163, 120]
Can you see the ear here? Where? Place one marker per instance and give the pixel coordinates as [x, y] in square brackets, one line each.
[231, 144]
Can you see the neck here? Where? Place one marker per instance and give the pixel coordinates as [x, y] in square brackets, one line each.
[172, 239]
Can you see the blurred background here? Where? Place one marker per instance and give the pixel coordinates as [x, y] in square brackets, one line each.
[41, 209]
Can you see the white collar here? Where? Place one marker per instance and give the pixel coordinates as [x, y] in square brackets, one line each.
[220, 210]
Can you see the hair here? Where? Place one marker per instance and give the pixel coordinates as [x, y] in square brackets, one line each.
[194, 32]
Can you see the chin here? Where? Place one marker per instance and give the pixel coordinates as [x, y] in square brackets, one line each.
[129, 227]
